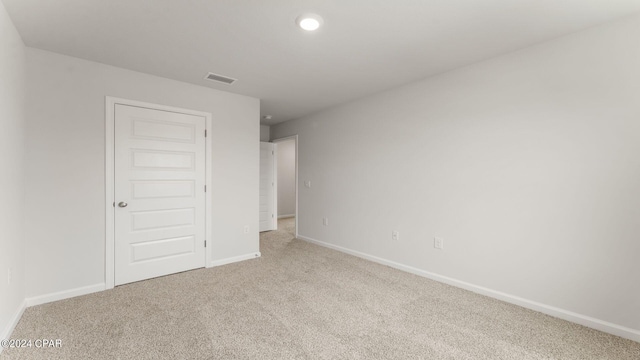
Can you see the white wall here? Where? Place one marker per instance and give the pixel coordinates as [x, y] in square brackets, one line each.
[66, 159]
[264, 133]
[287, 178]
[528, 165]
[12, 125]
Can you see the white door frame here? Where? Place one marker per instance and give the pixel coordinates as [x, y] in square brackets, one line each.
[110, 103]
[295, 138]
[274, 209]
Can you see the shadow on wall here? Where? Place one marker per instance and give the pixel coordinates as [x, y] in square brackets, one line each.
[286, 178]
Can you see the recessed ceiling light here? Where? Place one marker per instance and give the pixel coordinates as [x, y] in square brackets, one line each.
[309, 22]
[267, 117]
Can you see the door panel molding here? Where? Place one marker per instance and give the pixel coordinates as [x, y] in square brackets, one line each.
[110, 104]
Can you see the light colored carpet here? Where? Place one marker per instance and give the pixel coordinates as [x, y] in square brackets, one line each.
[301, 301]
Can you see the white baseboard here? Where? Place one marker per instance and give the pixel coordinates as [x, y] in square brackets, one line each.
[6, 332]
[286, 216]
[61, 295]
[604, 326]
[235, 259]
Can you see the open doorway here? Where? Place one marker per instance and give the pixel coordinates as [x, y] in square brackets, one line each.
[287, 180]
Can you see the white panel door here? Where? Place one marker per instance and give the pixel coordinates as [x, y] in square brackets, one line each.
[267, 186]
[159, 193]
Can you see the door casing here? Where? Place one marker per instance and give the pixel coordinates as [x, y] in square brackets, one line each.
[110, 103]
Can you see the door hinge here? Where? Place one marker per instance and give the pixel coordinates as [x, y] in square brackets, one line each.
[205, 243]
[205, 132]
[272, 216]
[205, 188]
[272, 152]
[114, 204]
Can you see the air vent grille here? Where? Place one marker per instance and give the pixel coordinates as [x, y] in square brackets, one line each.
[220, 78]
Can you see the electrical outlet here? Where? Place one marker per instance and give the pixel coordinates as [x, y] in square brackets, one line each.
[438, 243]
[246, 229]
[395, 235]
[9, 276]
[307, 183]
[325, 221]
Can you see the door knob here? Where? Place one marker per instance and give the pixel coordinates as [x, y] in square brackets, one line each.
[122, 204]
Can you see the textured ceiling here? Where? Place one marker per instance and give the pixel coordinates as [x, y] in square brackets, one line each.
[364, 47]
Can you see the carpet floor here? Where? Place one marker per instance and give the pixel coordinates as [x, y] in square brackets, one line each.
[302, 301]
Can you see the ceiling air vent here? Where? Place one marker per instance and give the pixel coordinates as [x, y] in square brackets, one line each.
[220, 78]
